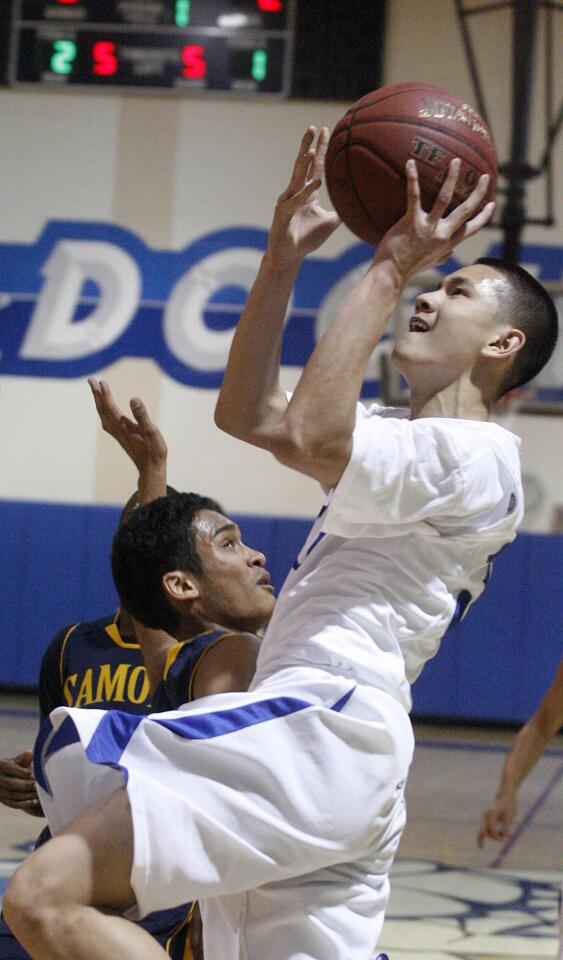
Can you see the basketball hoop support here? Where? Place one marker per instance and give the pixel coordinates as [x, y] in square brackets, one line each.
[517, 170]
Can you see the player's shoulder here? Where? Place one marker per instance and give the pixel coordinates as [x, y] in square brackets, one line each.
[227, 664]
[61, 635]
[100, 623]
[215, 661]
[52, 653]
[228, 646]
[237, 639]
[102, 633]
[485, 468]
[88, 628]
[479, 442]
[449, 442]
[190, 652]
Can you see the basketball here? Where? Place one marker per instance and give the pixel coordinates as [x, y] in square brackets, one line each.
[369, 146]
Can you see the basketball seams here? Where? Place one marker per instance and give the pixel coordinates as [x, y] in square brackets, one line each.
[345, 146]
[386, 163]
[377, 154]
[408, 121]
[372, 222]
[390, 164]
[399, 90]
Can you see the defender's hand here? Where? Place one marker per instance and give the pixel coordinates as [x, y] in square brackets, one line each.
[300, 223]
[17, 785]
[420, 240]
[140, 438]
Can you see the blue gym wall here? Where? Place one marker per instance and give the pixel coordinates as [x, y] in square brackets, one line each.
[494, 666]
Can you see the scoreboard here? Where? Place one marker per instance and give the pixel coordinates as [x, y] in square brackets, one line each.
[227, 46]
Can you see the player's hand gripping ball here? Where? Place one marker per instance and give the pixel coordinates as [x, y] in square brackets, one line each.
[368, 149]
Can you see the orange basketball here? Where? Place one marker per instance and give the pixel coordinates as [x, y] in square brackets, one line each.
[368, 149]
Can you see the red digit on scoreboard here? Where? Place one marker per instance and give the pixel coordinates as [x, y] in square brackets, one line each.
[270, 6]
[105, 60]
[194, 62]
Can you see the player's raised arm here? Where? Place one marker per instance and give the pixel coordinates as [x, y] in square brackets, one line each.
[146, 447]
[140, 438]
[315, 434]
[251, 402]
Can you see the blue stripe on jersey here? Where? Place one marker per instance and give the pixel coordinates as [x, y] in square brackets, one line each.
[116, 729]
[49, 741]
[45, 732]
[64, 736]
[209, 725]
[111, 736]
[340, 704]
[320, 536]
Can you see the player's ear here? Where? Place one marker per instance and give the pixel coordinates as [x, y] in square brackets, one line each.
[504, 344]
[179, 585]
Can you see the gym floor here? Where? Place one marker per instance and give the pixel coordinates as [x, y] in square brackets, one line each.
[450, 900]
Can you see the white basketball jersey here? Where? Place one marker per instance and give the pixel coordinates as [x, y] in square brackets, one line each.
[402, 547]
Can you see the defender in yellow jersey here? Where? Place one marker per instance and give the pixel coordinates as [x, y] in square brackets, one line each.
[97, 663]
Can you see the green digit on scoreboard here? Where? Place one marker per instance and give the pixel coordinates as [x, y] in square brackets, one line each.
[182, 13]
[64, 52]
[259, 64]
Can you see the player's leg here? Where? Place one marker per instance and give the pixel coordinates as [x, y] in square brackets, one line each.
[55, 900]
[225, 797]
[332, 913]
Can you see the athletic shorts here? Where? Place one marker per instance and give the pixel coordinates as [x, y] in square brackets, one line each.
[282, 807]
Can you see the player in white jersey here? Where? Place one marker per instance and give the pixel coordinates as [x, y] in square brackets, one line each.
[290, 797]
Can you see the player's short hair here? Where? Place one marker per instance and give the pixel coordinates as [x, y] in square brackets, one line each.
[530, 309]
[133, 504]
[157, 538]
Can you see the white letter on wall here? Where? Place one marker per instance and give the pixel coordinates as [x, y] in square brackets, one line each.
[52, 335]
[185, 331]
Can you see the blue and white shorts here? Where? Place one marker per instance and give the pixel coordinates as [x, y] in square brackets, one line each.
[282, 807]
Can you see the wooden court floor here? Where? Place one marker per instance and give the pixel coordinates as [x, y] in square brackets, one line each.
[450, 900]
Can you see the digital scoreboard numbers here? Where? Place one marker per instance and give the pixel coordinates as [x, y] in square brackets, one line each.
[236, 46]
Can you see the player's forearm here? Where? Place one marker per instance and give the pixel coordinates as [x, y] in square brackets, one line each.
[152, 483]
[251, 402]
[532, 739]
[525, 752]
[320, 418]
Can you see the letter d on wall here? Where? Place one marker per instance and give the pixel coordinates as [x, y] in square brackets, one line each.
[52, 335]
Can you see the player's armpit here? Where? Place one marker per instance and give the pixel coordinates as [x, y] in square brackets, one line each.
[229, 665]
[322, 458]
